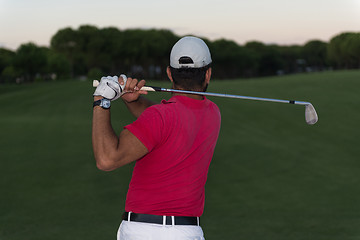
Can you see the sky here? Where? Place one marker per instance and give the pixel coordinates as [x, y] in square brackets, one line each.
[283, 22]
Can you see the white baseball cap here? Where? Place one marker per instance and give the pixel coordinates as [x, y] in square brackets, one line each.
[190, 52]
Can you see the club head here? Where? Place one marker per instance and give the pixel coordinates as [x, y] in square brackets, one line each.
[311, 116]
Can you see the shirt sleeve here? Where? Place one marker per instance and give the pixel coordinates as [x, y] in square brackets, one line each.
[147, 128]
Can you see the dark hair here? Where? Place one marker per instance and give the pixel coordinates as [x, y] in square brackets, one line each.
[190, 78]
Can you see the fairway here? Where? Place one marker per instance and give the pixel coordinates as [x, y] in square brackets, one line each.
[272, 176]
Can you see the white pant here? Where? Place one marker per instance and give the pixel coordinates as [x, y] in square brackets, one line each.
[148, 231]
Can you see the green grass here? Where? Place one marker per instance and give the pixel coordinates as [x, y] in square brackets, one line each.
[272, 176]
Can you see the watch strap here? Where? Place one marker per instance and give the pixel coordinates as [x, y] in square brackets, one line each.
[97, 103]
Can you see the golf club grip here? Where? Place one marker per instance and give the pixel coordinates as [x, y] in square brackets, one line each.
[144, 88]
[150, 89]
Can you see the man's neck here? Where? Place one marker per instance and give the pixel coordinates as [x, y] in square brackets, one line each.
[193, 96]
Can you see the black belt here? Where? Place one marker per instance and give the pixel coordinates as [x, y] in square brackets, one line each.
[166, 220]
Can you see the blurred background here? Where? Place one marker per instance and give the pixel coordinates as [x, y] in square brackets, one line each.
[43, 41]
[272, 176]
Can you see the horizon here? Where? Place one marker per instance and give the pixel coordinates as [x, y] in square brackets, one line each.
[277, 22]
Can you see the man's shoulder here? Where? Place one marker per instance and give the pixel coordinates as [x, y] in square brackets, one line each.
[159, 109]
[176, 105]
[213, 105]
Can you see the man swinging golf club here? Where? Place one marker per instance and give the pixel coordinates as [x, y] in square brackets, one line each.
[172, 143]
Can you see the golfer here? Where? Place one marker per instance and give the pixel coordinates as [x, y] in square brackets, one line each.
[172, 143]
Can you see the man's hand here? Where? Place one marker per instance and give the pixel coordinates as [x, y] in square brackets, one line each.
[132, 88]
[110, 88]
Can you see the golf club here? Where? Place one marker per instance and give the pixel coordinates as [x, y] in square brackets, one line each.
[311, 116]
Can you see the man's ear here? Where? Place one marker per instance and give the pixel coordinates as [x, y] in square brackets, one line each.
[168, 71]
[208, 76]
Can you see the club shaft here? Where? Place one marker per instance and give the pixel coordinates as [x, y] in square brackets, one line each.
[310, 113]
[158, 89]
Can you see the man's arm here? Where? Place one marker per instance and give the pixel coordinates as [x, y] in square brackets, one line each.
[111, 151]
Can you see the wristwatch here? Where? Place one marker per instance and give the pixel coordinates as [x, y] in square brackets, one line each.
[104, 103]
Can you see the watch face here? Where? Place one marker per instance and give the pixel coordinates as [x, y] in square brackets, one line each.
[105, 103]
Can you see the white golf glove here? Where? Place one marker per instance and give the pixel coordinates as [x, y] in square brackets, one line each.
[110, 88]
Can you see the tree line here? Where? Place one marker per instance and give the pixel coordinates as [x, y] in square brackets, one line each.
[91, 52]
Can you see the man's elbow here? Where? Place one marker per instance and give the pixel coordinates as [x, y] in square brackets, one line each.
[105, 164]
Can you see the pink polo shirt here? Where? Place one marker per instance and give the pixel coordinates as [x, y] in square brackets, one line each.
[181, 135]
